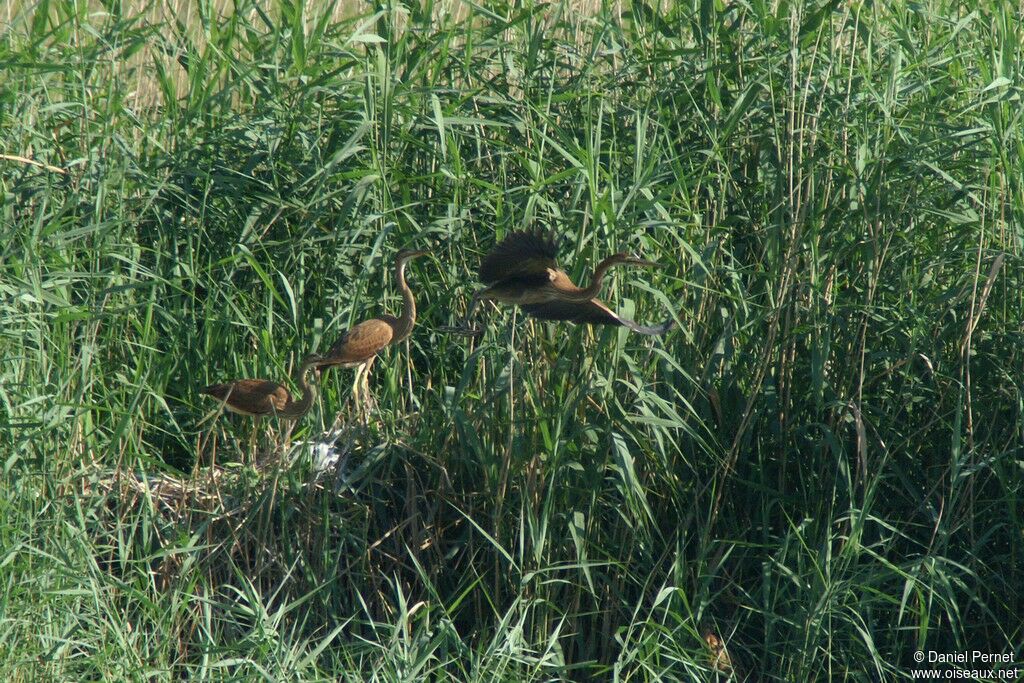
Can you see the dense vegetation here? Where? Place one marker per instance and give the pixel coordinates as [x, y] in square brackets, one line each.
[822, 464]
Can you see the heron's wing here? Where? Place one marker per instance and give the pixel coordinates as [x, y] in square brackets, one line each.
[248, 387]
[250, 396]
[521, 253]
[592, 312]
[361, 342]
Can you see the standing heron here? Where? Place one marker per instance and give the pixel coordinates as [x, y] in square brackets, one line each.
[262, 398]
[359, 345]
[522, 270]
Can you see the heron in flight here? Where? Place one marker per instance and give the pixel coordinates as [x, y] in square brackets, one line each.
[522, 270]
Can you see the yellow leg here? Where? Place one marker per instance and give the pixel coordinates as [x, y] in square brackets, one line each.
[355, 388]
[368, 398]
[252, 439]
[288, 434]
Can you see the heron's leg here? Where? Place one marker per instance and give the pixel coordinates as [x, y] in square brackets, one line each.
[357, 402]
[271, 437]
[368, 398]
[288, 434]
[354, 394]
[252, 439]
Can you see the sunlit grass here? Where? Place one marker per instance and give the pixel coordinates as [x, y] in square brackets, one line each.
[820, 465]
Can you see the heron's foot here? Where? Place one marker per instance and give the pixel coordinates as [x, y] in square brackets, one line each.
[363, 411]
[371, 406]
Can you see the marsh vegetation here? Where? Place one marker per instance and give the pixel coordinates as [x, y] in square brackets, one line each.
[820, 466]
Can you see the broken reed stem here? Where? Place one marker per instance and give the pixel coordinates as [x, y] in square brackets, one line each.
[33, 162]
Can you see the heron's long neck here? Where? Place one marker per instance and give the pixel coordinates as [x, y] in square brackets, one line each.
[408, 318]
[594, 288]
[299, 408]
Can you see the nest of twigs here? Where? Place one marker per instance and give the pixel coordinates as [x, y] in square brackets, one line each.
[217, 514]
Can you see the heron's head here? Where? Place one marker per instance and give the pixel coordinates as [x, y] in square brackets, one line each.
[630, 260]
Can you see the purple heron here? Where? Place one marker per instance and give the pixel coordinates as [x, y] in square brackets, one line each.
[262, 398]
[360, 344]
[522, 270]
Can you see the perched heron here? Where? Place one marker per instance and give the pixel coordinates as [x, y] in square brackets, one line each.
[522, 270]
[263, 398]
[359, 345]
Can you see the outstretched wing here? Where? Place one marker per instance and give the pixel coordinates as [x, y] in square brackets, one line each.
[520, 254]
[592, 312]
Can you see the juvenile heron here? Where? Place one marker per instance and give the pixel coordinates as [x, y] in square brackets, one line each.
[359, 345]
[522, 270]
[263, 398]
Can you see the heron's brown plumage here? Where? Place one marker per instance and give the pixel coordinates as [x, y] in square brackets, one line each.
[593, 312]
[522, 269]
[262, 398]
[360, 343]
[255, 397]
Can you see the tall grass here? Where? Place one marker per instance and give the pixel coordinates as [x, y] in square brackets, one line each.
[821, 464]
